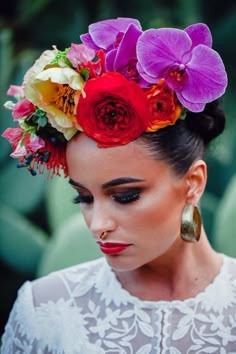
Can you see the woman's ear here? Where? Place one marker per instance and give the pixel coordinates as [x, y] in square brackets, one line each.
[196, 178]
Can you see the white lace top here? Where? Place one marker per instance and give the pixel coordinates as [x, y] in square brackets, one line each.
[84, 309]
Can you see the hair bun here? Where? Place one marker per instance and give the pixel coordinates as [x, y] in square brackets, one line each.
[207, 124]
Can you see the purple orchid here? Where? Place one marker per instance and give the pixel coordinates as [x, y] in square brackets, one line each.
[123, 59]
[187, 62]
[108, 34]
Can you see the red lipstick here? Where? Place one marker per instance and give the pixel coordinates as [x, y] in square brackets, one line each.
[112, 247]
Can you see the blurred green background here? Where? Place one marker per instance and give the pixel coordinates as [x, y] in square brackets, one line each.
[40, 228]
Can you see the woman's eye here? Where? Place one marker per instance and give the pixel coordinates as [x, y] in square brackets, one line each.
[83, 199]
[126, 198]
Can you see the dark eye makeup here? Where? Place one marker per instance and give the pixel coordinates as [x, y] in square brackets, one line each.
[119, 197]
[125, 198]
[87, 199]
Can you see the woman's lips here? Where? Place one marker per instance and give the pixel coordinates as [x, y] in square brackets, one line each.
[112, 247]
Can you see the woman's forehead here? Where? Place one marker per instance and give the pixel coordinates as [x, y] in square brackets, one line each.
[85, 157]
[84, 148]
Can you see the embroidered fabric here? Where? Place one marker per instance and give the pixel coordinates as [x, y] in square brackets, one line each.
[84, 310]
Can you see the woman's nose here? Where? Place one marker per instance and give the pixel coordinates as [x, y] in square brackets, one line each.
[101, 220]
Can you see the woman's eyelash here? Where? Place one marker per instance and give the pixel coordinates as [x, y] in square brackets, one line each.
[126, 198]
[83, 199]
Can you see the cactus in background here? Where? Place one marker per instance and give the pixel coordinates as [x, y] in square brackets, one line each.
[59, 197]
[40, 228]
[208, 206]
[21, 242]
[19, 193]
[225, 222]
[71, 244]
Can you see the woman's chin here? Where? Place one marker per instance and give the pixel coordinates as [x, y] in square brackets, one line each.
[122, 264]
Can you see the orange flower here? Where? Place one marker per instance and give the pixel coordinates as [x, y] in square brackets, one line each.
[164, 106]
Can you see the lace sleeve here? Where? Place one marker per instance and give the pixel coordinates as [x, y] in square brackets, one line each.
[15, 338]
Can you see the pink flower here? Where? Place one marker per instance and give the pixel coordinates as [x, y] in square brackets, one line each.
[20, 151]
[80, 54]
[22, 109]
[15, 91]
[86, 59]
[13, 135]
[35, 144]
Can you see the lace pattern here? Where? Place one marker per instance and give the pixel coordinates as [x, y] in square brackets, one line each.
[84, 309]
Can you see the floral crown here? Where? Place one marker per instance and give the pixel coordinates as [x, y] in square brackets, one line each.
[119, 82]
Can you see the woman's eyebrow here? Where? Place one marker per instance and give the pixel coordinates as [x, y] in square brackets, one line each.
[76, 184]
[109, 184]
[121, 180]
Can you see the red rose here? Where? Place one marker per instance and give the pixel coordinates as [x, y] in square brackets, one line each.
[114, 111]
[164, 106]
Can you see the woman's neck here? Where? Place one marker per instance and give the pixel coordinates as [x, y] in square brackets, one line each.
[184, 271]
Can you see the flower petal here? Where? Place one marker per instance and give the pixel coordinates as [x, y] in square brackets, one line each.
[207, 78]
[165, 47]
[193, 107]
[20, 151]
[45, 59]
[126, 51]
[13, 135]
[15, 91]
[80, 54]
[199, 34]
[87, 40]
[62, 76]
[9, 105]
[104, 33]
[115, 110]
[110, 59]
[22, 109]
[60, 121]
[147, 79]
[36, 143]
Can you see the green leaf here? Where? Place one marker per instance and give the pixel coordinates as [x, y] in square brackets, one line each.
[21, 243]
[18, 189]
[225, 221]
[6, 60]
[69, 245]
[42, 121]
[84, 72]
[61, 55]
[209, 204]
[59, 201]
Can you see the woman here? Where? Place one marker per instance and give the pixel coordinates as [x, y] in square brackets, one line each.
[130, 131]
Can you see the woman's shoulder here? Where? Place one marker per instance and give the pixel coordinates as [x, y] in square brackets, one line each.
[64, 282]
[54, 295]
[50, 308]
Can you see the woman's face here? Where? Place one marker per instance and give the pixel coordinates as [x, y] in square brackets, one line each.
[124, 191]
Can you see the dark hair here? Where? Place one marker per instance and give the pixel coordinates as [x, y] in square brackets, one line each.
[180, 144]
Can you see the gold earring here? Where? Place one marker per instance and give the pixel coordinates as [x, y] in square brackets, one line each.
[191, 224]
[103, 235]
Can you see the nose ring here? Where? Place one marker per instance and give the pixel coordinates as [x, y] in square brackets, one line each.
[103, 235]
